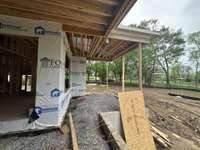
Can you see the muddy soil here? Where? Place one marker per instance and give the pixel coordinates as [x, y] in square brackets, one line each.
[179, 118]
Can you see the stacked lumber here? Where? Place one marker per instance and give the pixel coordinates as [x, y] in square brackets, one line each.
[160, 137]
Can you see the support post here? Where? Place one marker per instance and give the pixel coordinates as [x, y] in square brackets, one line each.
[140, 66]
[107, 75]
[123, 72]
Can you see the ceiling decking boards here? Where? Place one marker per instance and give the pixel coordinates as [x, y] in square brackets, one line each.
[94, 17]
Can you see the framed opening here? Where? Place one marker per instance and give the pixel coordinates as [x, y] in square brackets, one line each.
[18, 70]
[67, 73]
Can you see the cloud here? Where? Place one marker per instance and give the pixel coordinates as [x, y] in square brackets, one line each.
[174, 13]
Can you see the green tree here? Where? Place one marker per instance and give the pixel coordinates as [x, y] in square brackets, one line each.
[149, 51]
[89, 70]
[170, 46]
[194, 39]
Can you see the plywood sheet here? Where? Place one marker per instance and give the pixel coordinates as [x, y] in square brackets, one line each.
[136, 127]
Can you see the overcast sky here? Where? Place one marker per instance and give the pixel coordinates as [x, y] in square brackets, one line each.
[177, 14]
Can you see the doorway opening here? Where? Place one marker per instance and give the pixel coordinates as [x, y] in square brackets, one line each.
[18, 67]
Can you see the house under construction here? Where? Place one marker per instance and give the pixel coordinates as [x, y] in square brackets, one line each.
[44, 46]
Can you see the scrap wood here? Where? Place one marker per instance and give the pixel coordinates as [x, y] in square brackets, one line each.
[185, 96]
[64, 129]
[73, 133]
[160, 137]
[136, 127]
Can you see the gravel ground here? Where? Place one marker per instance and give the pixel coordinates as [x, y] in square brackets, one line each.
[86, 119]
[178, 118]
[45, 140]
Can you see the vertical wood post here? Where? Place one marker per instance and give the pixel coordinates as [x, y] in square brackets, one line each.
[123, 72]
[140, 66]
[107, 75]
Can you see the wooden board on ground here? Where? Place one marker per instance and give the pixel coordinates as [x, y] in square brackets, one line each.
[136, 127]
[73, 133]
[64, 129]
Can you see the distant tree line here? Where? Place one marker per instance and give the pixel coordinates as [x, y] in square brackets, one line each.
[164, 59]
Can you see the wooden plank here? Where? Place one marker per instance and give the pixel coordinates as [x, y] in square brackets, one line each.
[115, 47]
[78, 5]
[64, 129]
[76, 29]
[37, 8]
[119, 14]
[135, 125]
[140, 66]
[123, 73]
[73, 133]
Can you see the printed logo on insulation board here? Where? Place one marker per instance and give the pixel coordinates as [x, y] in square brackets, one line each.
[55, 92]
[39, 30]
[50, 63]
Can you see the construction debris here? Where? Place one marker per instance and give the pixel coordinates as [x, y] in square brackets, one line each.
[135, 125]
[185, 96]
[160, 137]
[64, 129]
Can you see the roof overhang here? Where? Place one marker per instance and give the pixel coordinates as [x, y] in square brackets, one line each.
[133, 34]
[94, 17]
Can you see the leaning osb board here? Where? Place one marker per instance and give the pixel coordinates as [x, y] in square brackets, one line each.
[136, 127]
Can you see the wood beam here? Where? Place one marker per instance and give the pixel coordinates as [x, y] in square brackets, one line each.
[76, 29]
[125, 51]
[116, 46]
[123, 72]
[97, 45]
[98, 59]
[94, 41]
[140, 66]
[13, 52]
[119, 14]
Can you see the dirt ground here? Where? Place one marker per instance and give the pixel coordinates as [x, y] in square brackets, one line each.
[177, 117]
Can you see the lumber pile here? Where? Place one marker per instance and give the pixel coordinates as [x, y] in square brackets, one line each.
[160, 137]
[185, 96]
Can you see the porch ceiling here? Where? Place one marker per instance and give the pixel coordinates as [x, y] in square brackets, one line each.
[98, 47]
[120, 41]
[94, 17]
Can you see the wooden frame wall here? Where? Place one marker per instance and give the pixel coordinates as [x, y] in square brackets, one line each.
[18, 56]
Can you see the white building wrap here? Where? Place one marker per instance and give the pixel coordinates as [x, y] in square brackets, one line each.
[51, 96]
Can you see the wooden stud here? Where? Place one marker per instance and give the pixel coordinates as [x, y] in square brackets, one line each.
[107, 74]
[140, 66]
[73, 133]
[123, 72]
